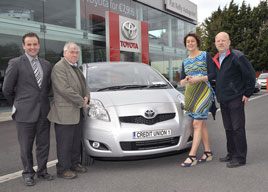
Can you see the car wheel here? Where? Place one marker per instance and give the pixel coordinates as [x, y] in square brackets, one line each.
[86, 159]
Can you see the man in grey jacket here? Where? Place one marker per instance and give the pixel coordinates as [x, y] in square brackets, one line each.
[71, 94]
[26, 86]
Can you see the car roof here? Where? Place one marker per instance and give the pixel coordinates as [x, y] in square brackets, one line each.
[263, 74]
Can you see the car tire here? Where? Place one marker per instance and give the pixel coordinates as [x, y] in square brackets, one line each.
[86, 160]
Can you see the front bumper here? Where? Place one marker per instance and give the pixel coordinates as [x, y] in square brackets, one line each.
[117, 140]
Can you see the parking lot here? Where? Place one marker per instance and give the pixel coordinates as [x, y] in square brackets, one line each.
[162, 174]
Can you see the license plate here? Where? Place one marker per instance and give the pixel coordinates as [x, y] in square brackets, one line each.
[153, 133]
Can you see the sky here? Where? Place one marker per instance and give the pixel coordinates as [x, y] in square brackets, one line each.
[206, 7]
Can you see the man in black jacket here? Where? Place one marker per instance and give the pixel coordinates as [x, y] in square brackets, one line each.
[235, 83]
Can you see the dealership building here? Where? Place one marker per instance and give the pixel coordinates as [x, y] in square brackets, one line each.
[148, 31]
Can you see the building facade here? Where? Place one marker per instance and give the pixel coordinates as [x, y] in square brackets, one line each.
[83, 22]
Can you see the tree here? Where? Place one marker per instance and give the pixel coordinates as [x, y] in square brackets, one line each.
[248, 30]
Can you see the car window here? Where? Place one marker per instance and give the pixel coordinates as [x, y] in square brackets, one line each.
[103, 76]
[263, 76]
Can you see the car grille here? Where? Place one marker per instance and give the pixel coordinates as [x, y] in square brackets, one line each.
[143, 120]
[151, 144]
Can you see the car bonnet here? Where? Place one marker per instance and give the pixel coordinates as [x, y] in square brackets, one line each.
[130, 97]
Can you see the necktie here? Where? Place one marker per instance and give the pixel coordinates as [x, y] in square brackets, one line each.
[36, 72]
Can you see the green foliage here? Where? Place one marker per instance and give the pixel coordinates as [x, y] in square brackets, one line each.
[247, 27]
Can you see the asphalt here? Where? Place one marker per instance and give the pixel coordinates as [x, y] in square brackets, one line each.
[157, 174]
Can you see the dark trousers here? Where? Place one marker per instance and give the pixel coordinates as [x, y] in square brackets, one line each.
[27, 132]
[68, 139]
[233, 116]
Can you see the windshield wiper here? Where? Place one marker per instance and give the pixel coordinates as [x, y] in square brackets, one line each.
[157, 85]
[120, 87]
[134, 86]
[110, 88]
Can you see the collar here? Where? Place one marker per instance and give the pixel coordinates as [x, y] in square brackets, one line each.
[31, 58]
[72, 64]
[215, 58]
[224, 54]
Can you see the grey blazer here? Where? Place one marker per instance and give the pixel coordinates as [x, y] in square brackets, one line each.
[68, 94]
[21, 89]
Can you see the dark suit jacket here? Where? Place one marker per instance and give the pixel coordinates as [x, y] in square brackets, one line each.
[21, 89]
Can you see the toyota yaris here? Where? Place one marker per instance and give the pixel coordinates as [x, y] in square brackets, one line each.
[133, 111]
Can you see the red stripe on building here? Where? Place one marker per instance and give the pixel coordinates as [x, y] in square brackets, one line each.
[144, 43]
[114, 37]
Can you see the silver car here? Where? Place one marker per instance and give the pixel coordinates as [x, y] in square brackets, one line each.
[257, 87]
[134, 111]
[262, 79]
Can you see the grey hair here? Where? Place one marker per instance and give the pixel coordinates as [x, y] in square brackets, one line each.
[70, 44]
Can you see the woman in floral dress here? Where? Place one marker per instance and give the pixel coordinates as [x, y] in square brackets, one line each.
[197, 70]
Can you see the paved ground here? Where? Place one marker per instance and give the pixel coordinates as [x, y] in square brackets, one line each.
[159, 174]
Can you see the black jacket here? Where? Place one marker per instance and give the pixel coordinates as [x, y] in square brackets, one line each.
[234, 77]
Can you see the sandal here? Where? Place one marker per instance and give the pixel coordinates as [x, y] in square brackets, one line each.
[209, 157]
[193, 159]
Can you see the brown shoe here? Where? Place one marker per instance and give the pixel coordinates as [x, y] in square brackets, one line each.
[79, 168]
[67, 175]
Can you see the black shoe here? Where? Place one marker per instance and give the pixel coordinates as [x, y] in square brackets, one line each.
[79, 169]
[233, 164]
[46, 176]
[29, 181]
[227, 158]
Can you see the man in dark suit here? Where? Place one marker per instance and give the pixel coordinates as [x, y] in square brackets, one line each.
[26, 86]
[71, 94]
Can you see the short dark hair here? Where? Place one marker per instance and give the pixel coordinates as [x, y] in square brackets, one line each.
[29, 35]
[194, 35]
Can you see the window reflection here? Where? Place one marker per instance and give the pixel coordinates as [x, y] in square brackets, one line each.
[58, 21]
[95, 52]
[24, 10]
[53, 51]
[156, 31]
[60, 12]
[10, 47]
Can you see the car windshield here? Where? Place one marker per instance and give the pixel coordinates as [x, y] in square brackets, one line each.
[124, 76]
[263, 76]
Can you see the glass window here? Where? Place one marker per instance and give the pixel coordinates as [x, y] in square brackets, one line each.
[177, 33]
[93, 13]
[10, 47]
[58, 21]
[60, 12]
[167, 29]
[180, 33]
[156, 30]
[95, 52]
[158, 63]
[26, 10]
[53, 51]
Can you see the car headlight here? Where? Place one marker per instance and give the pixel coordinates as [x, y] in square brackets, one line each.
[97, 110]
[180, 96]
